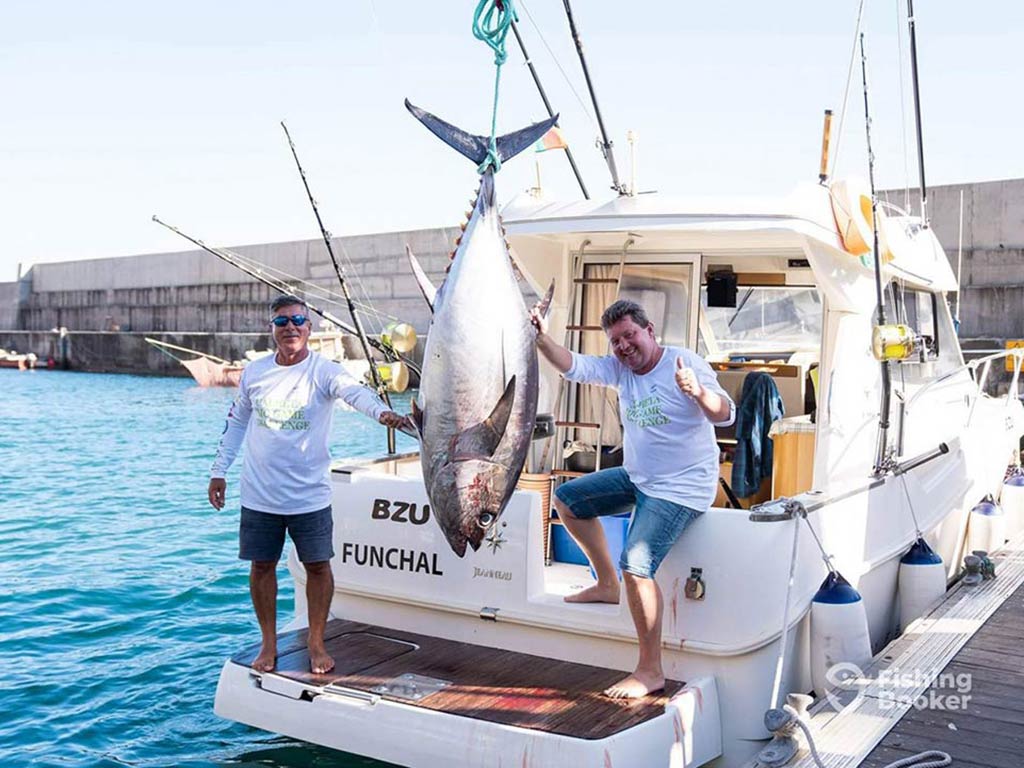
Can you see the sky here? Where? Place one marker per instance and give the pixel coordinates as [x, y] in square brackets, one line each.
[113, 111]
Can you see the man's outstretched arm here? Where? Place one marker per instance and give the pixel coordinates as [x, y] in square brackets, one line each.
[554, 353]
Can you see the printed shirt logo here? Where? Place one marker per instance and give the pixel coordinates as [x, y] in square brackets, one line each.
[281, 414]
[646, 412]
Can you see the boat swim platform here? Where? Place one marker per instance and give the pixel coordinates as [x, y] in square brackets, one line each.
[954, 681]
[503, 687]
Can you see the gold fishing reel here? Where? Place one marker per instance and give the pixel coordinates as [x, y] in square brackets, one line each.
[401, 337]
[894, 342]
[394, 376]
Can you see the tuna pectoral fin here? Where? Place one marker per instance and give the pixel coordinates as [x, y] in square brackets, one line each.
[475, 147]
[426, 287]
[545, 304]
[481, 441]
[417, 417]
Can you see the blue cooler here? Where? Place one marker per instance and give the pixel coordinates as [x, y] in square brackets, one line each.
[565, 550]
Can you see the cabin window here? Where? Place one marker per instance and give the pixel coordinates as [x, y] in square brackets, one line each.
[768, 322]
[918, 310]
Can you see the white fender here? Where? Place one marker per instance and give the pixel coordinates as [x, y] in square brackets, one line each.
[1012, 501]
[922, 582]
[839, 630]
[986, 526]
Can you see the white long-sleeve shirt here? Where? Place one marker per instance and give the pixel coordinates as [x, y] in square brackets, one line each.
[283, 414]
[669, 446]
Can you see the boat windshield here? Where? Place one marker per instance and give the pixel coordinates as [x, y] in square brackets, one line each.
[766, 319]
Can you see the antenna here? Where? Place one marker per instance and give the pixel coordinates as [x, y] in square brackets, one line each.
[826, 135]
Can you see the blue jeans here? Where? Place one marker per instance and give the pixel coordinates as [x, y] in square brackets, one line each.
[261, 535]
[655, 526]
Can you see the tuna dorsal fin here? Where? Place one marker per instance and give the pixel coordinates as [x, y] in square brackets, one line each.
[475, 147]
[426, 287]
[481, 441]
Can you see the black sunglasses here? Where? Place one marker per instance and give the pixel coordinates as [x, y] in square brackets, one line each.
[297, 320]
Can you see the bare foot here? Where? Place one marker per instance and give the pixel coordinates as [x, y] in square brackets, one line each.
[636, 686]
[266, 659]
[595, 594]
[319, 662]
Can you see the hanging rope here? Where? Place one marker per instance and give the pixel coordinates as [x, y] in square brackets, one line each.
[492, 20]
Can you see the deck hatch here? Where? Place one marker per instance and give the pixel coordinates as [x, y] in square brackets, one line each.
[410, 686]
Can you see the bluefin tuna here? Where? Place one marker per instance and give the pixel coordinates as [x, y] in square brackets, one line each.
[477, 402]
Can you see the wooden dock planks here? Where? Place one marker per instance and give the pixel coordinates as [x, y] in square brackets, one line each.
[989, 731]
[976, 631]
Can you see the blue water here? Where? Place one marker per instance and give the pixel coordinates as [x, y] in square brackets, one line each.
[121, 594]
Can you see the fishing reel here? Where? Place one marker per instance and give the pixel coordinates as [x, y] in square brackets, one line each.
[899, 343]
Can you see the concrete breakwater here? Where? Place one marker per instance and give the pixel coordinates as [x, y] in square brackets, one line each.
[192, 299]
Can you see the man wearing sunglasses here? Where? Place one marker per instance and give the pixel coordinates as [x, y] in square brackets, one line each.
[283, 414]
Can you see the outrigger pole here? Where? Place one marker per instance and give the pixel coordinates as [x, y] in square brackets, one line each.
[279, 285]
[547, 106]
[606, 145]
[881, 449]
[378, 383]
[917, 112]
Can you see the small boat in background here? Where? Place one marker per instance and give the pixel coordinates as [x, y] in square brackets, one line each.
[208, 370]
[11, 359]
[212, 371]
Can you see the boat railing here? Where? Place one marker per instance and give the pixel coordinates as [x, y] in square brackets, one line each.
[979, 370]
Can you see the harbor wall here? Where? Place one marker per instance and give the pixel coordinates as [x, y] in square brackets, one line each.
[991, 237]
[195, 291]
[193, 295]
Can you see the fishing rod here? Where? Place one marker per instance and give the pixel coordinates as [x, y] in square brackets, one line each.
[883, 416]
[547, 106]
[606, 145]
[378, 382]
[917, 112]
[235, 260]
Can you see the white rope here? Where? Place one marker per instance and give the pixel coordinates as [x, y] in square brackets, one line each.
[933, 758]
[824, 555]
[846, 92]
[781, 663]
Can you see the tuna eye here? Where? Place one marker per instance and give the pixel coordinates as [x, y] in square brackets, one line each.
[485, 519]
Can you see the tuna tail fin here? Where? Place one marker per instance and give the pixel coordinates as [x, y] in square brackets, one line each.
[481, 441]
[475, 147]
[426, 287]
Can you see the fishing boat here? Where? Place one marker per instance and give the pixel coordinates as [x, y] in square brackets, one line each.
[885, 443]
[480, 657]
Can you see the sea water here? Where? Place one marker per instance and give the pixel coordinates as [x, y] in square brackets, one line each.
[121, 594]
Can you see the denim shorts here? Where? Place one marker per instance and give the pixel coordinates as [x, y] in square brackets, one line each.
[653, 529]
[261, 535]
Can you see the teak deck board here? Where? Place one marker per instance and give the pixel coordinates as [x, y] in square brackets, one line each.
[990, 731]
[501, 686]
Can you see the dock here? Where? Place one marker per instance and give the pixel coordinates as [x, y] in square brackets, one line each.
[954, 681]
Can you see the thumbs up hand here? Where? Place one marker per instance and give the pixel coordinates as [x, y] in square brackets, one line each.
[686, 380]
